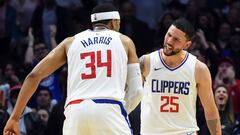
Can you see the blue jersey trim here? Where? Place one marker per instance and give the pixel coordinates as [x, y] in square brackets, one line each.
[165, 65]
[123, 111]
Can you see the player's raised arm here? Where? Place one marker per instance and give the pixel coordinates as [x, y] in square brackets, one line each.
[55, 59]
[205, 93]
[134, 80]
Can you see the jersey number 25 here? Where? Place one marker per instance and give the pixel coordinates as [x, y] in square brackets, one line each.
[169, 104]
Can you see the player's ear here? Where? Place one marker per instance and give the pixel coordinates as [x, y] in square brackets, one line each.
[115, 24]
[188, 44]
[110, 24]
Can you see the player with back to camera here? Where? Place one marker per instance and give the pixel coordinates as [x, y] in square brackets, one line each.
[173, 79]
[101, 62]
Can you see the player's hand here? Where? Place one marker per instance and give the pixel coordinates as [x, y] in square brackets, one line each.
[53, 30]
[30, 36]
[11, 128]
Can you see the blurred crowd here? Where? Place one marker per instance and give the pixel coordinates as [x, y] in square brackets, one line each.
[30, 29]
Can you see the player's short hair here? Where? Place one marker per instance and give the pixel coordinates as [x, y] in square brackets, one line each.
[185, 26]
[103, 13]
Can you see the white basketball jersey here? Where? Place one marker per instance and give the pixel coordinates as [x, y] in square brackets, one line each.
[168, 105]
[97, 66]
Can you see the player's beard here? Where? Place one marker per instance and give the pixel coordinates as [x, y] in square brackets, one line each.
[170, 53]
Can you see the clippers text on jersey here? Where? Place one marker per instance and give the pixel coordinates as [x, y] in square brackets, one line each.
[175, 87]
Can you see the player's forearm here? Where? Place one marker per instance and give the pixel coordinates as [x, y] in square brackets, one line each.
[134, 87]
[29, 86]
[132, 99]
[214, 126]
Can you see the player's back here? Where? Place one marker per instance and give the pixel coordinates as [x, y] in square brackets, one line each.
[97, 63]
[168, 105]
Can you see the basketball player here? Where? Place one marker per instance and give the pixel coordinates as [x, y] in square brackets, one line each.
[100, 63]
[173, 79]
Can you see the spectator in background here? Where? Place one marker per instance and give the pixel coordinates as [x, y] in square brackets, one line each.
[223, 38]
[4, 90]
[24, 9]
[3, 118]
[205, 50]
[10, 76]
[162, 26]
[56, 120]
[149, 10]
[44, 115]
[36, 52]
[225, 107]
[44, 17]
[226, 76]
[236, 130]
[233, 14]
[192, 11]
[66, 18]
[30, 123]
[7, 29]
[176, 8]
[233, 49]
[206, 23]
[4, 94]
[136, 29]
[44, 99]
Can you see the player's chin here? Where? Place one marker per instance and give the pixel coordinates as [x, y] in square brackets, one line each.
[167, 53]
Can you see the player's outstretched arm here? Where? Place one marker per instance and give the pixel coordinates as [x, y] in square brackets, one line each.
[55, 59]
[205, 93]
[134, 88]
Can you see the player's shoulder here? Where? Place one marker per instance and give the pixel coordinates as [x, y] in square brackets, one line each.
[125, 38]
[145, 65]
[67, 42]
[201, 66]
[201, 70]
[127, 42]
[145, 57]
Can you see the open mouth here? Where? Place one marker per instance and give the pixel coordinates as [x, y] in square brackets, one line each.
[168, 46]
[221, 98]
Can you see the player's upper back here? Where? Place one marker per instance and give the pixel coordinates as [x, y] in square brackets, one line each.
[97, 63]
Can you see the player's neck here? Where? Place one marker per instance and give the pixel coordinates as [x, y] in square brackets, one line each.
[174, 60]
[100, 26]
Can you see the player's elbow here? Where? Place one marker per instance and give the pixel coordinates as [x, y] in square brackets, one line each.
[34, 76]
[212, 113]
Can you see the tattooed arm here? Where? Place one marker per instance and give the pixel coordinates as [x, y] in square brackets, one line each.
[144, 65]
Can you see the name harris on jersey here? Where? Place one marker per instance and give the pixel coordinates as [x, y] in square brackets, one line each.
[166, 86]
[96, 40]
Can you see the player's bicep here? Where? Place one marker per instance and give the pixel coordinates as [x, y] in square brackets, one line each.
[130, 49]
[132, 55]
[204, 86]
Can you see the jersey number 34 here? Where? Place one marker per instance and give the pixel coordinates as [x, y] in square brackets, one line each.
[96, 62]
